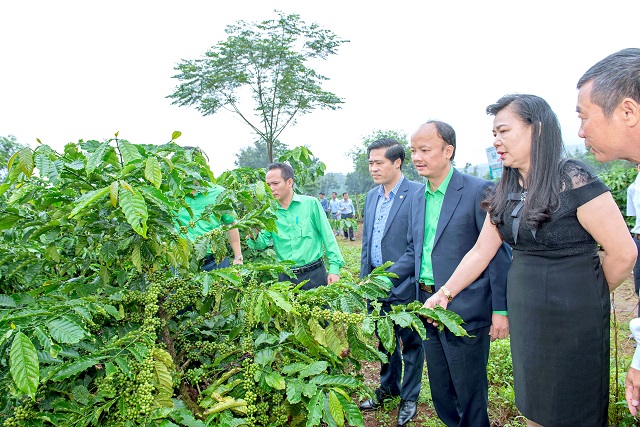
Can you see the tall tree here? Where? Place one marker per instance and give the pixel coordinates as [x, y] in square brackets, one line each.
[359, 181]
[270, 60]
[8, 147]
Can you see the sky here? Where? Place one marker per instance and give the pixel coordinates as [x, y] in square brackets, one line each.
[76, 70]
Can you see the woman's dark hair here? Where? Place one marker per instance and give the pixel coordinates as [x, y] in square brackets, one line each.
[542, 183]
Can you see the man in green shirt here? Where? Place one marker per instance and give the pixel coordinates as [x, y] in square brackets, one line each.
[303, 230]
[196, 226]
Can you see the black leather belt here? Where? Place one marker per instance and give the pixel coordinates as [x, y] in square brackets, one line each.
[427, 288]
[307, 267]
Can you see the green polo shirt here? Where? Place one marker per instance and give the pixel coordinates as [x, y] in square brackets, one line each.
[198, 204]
[303, 229]
[432, 208]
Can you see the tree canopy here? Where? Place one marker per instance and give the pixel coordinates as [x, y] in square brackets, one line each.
[8, 146]
[256, 156]
[269, 59]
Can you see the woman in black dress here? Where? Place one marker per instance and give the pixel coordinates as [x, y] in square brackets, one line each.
[553, 212]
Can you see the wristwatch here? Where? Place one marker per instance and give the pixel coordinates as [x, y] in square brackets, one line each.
[447, 293]
[239, 258]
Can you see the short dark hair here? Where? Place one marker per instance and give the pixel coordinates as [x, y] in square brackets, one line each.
[321, 193]
[346, 194]
[394, 151]
[285, 169]
[446, 132]
[614, 78]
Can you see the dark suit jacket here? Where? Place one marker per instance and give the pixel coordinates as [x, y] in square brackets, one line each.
[461, 220]
[394, 239]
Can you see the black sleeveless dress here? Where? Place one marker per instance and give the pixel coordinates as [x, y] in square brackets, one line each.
[558, 302]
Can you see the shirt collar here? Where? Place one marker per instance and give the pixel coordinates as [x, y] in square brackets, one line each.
[395, 189]
[295, 198]
[443, 187]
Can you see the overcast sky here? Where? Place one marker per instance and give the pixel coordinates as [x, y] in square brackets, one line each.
[84, 70]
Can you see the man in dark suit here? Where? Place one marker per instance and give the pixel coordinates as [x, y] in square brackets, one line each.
[445, 221]
[384, 239]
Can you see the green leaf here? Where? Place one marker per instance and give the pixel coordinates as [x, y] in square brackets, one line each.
[6, 301]
[128, 151]
[278, 299]
[96, 157]
[81, 394]
[207, 281]
[163, 377]
[368, 326]
[264, 357]
[24, 367]
[314, 369]
[294, 390]
[353, 414]
[402, 319]
[134, 208]
[336, 341]
[47, 167]
[315, 409]
[25, 161]
[185, 418]
[113, 193]
[386, 334]
[451, 321]
[108, 252]
[343, 381]
[152, 171]
[8, 220]
[175, 135]
[73, 368]
[88, 199]
[304, 337]
[293, 368]
[136, 257]
[309, 389]
[260, 311]
[335, 409]
[64, 330]
[275, 380]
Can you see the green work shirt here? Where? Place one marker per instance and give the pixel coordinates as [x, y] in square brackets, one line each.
[198, 205]
[303, 229]
[432, 208]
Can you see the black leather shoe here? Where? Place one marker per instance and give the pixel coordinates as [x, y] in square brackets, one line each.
[370, 404]
[408, 410]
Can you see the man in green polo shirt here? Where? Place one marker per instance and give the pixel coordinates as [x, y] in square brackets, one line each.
[303, 230]
[194, 224]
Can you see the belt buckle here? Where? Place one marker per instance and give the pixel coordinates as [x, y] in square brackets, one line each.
[427, 288]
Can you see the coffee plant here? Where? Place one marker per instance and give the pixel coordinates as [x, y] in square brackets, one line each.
[107, 320]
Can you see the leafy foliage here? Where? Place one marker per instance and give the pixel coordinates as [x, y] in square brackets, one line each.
[618, 181]
[269, 59]
[107, 320]
[8, 146]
